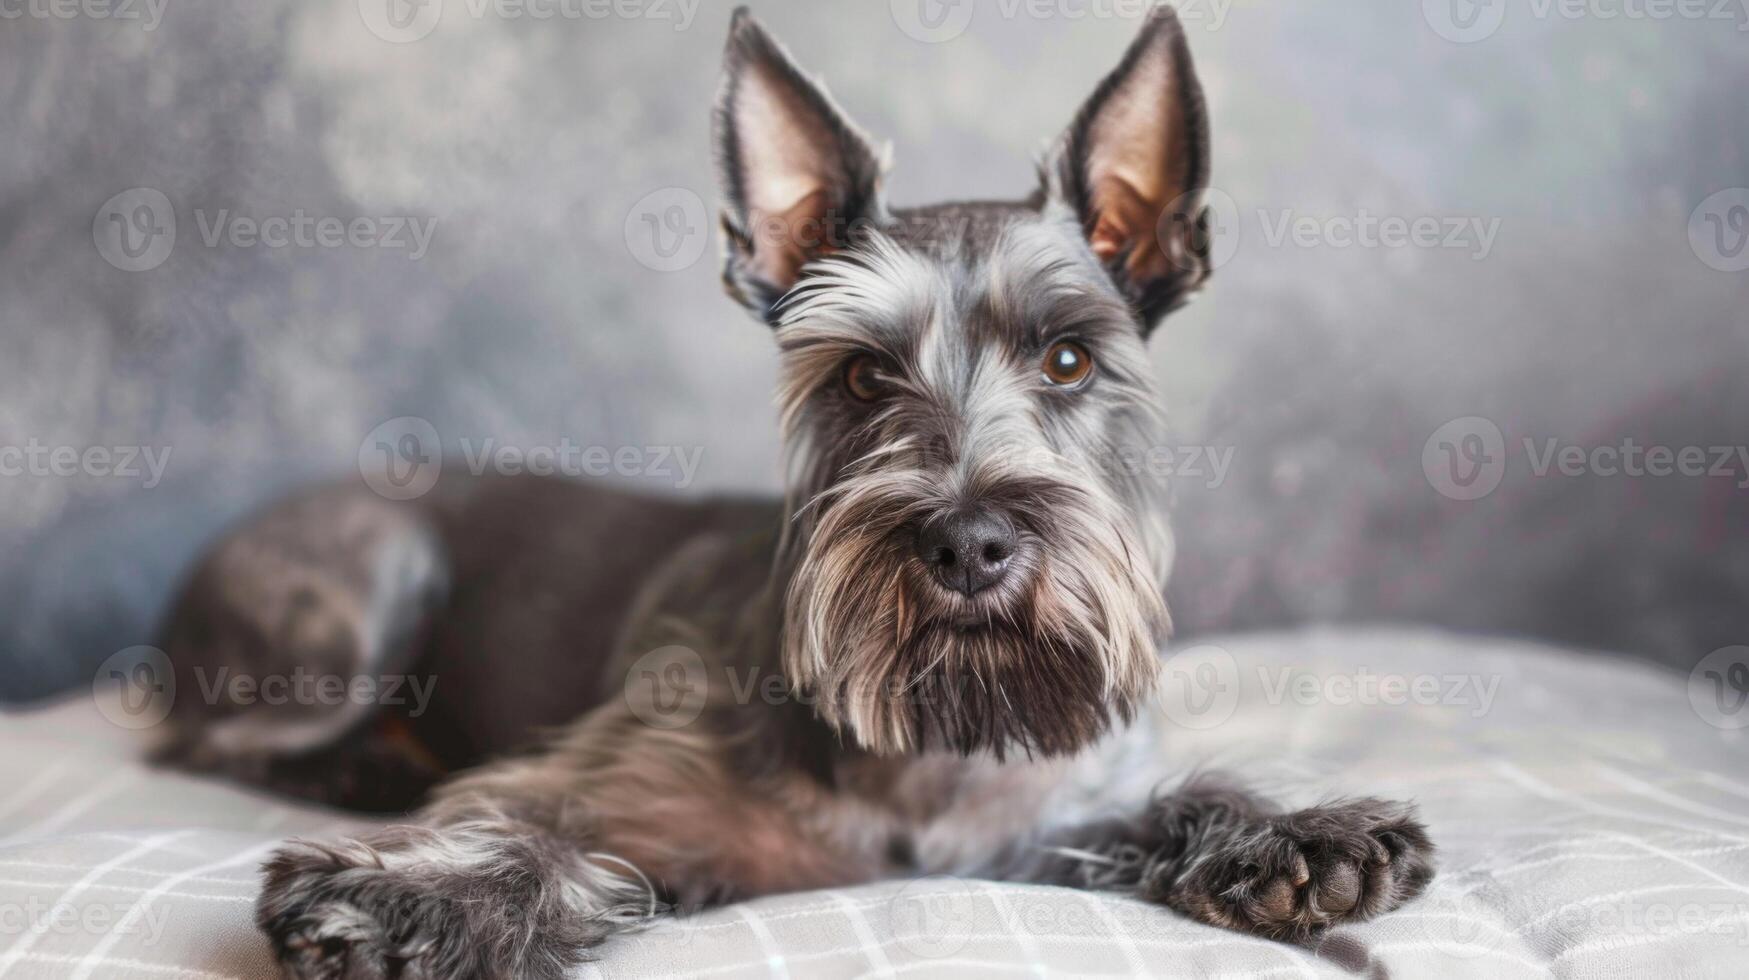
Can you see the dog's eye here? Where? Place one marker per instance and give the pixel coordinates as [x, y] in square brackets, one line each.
[1067, 363]
[860, 378]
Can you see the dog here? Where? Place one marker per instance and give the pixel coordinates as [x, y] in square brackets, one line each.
[958, 603]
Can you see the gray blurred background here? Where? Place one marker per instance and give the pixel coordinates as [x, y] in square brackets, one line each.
[1603, 306]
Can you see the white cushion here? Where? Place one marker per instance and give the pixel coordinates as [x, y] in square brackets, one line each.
[1590, 823]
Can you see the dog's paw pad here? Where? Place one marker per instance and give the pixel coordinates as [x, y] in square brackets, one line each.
[1293, 876]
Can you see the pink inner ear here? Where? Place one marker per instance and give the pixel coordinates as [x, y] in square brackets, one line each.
[1126, 221]
[1137, 164]
[784, 241]
[787, 164]
[1118, 207]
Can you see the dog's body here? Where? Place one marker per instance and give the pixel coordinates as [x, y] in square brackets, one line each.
[934, 656]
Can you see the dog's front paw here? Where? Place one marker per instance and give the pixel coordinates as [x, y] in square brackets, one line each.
[477, 899]
[336, 912]
[1292, 876]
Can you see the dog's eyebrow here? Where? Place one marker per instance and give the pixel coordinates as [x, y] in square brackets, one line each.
[1036, 281]
[876, 292]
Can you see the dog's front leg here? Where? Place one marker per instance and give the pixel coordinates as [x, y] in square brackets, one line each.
[1224, 856]
[518, 868]
[479, 893]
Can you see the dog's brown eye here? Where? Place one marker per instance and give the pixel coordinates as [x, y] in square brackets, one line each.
[860, 378]
[1067, 363]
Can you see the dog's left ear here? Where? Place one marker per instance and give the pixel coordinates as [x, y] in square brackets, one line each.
[795, 172]
[1133, 167]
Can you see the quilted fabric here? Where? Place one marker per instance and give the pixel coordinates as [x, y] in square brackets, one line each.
[1592, 815]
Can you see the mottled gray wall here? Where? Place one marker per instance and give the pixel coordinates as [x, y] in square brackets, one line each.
[1592, 317]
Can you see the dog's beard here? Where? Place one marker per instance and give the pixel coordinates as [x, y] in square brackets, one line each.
[1042, 662]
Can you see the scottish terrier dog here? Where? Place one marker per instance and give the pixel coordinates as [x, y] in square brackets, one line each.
[959, 599]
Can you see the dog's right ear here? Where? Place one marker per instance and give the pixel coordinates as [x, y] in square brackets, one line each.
[1133, 167]
[795, 173]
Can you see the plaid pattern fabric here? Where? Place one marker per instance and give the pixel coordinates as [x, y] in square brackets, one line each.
[1592, 820]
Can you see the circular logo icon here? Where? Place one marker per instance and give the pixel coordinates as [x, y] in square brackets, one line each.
[932, 21]
[1462, 926]
[931, 916]
[135, 688]
[400, 21]
[1465, 459]
[667, 230]
[667, 688]
[135, 230]
[401, 458]
[1199, 687]
[1718, 688]
[1718, 230]
[1464, 21]
[1199, 227]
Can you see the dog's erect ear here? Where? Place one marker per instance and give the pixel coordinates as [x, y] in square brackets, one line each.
[795, 173]
[1133, 167]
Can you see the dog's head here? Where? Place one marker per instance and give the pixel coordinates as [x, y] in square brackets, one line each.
[973, 563]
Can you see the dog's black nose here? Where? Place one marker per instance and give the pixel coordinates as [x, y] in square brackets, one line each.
[968, 549]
